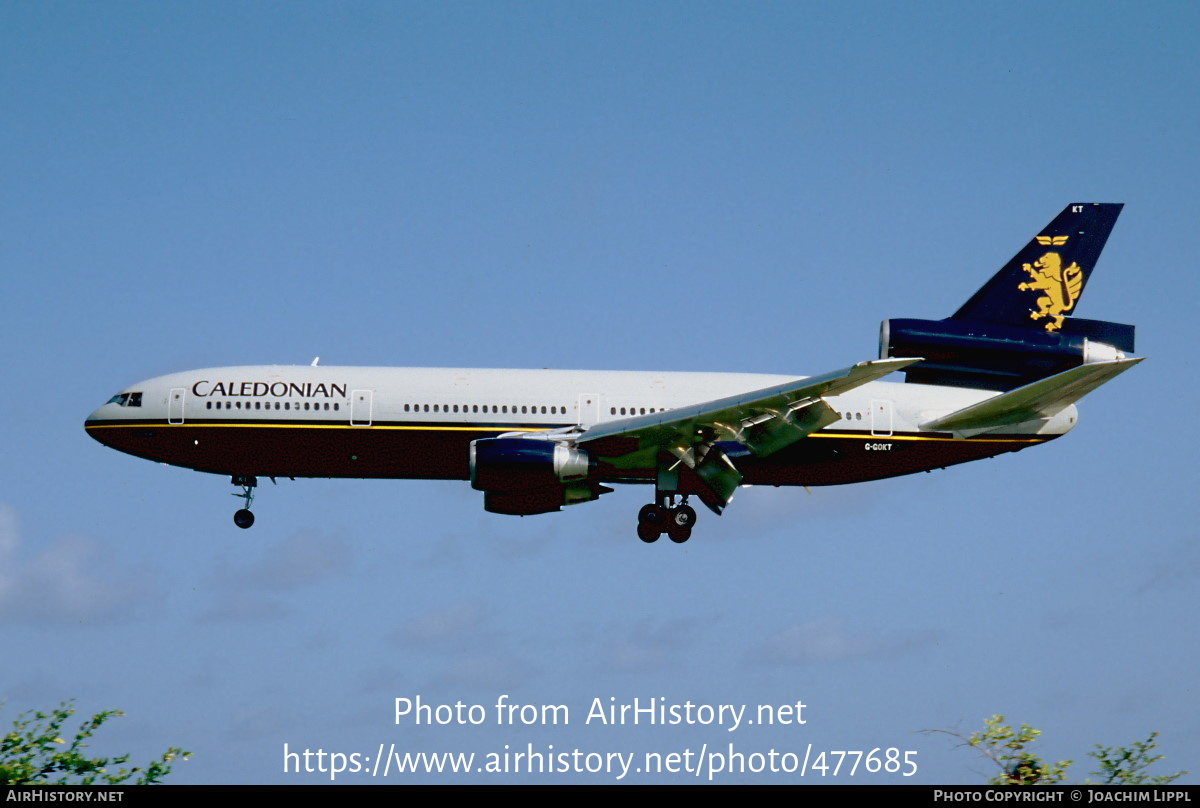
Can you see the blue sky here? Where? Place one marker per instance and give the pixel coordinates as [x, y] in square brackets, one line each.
[683, 186]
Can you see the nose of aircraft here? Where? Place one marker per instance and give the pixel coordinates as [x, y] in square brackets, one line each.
[111, 423]
[94, 420]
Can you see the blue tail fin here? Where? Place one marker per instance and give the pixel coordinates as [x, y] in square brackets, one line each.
[1043, 282]
[1017, 328]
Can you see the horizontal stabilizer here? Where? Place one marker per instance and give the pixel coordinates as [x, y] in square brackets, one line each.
[1041, 399]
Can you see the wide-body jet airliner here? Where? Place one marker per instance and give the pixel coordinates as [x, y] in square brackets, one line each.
[1000, 374]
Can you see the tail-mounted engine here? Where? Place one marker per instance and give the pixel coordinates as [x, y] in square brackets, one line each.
[992, 356]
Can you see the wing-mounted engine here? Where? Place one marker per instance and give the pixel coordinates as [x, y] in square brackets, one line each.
[526, 475]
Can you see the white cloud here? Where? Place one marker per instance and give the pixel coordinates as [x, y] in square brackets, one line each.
[439, 624]
[71, 581]
[651, 645]
[828, 639]
[302, 559]
[484, 669]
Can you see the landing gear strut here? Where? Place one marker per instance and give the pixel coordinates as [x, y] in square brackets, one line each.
[244, 518]
[666, 517]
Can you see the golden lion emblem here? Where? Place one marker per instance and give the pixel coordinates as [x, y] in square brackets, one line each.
[1061, 288]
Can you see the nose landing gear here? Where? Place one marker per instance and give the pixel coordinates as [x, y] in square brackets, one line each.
[675, 521]
[243, 518]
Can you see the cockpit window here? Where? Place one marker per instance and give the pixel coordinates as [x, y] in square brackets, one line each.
[126, 400]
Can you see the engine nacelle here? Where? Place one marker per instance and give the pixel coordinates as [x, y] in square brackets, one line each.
[991, 356]
[524, 476]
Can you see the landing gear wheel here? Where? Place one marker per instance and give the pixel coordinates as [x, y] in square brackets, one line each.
[652, 521]
[652, 515]
[243, 518]
[678, 534]
[684, 517]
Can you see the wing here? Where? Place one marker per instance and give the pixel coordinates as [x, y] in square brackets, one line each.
[763, 421]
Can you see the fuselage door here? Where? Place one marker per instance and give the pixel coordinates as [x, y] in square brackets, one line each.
[588, 409]
[881, 417]
[361, 404]
[175, 406]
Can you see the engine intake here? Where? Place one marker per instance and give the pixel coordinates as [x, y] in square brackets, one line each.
[524, 476]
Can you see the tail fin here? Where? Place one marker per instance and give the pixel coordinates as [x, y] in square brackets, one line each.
[1043, 281]
[1017, 329]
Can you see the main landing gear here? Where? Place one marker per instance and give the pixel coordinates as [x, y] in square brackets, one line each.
[244, 518]
[666, 517]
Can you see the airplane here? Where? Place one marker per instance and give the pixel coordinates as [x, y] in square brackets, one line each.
[999, 375]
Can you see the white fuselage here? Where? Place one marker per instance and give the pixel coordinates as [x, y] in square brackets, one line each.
[418, 422]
